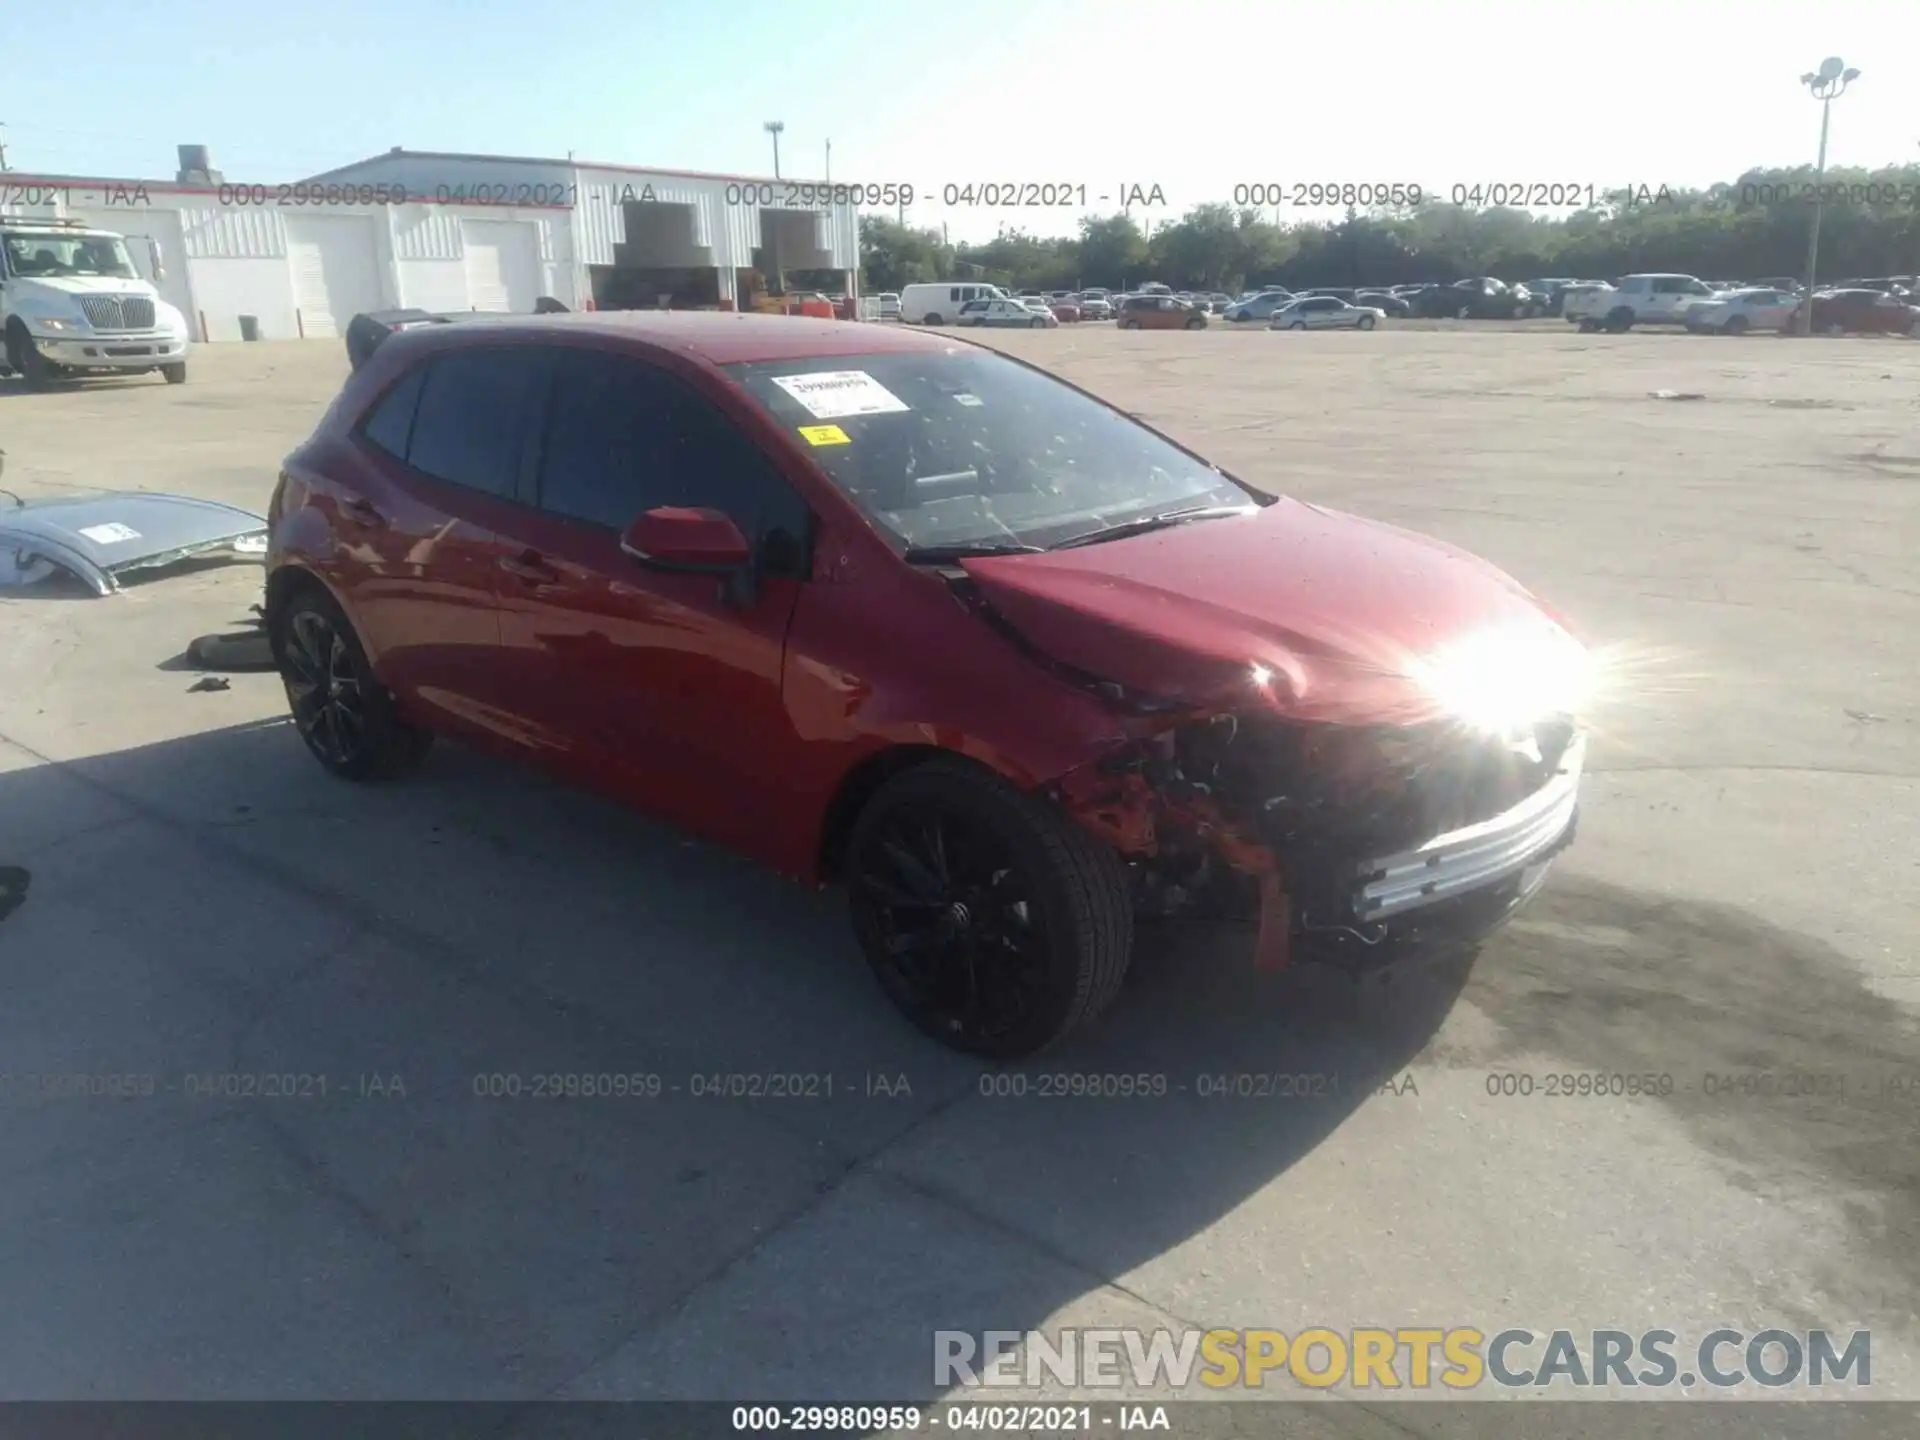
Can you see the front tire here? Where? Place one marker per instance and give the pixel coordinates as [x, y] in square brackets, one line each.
[1365, 322]
[27, 362]
[1037, 324]
[1736, 325]
[348, 719]
[1620, 321]
[994, 922]
[1196, 323]
[176, 374]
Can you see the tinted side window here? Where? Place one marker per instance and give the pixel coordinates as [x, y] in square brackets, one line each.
[624, 438]
[470, 425]
[391, 420]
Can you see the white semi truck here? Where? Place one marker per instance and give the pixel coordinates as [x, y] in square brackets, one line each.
[72, 303]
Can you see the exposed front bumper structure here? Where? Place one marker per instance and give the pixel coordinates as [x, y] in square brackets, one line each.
[119, 350]
[1476, 856]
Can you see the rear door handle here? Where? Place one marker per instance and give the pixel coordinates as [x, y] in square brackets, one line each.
[530, 567]
[362, 512]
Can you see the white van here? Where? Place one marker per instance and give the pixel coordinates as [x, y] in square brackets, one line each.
[938, 302]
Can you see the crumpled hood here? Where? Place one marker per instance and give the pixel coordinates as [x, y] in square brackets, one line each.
[1336, 607]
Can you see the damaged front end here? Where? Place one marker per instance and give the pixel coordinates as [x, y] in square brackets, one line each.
[1355, 844]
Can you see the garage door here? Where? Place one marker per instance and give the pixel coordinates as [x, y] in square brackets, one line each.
[336, 271]
[503, 264]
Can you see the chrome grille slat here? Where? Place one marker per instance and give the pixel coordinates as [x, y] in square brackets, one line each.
[117, 312]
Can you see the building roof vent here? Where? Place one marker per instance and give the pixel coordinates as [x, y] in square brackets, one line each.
[196, 167]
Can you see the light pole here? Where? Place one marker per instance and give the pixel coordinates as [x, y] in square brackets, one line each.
[773, 128]
[1826, 85]
[829, 172]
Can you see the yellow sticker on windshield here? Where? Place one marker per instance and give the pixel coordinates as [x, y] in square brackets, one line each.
[824, 435]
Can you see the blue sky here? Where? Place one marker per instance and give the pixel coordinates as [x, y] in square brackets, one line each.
[1196, 97]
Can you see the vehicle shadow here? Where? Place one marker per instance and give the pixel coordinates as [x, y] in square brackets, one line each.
[476, 921]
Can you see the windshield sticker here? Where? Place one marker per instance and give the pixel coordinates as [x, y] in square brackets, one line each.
[824, 435]
[112, 533]
[968, 400]
[836, 394]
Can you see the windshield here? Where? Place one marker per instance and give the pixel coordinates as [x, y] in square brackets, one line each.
[65, 255]
[964, 447]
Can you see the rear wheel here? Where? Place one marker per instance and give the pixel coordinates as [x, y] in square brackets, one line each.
[1736, 325]
[1620, 321]
[990, 918]
[1365, 322]
[934, 319]
[347, 718]
[1129, 324]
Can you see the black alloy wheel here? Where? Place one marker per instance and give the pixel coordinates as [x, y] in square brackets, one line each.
[344, 714]
[991, 919]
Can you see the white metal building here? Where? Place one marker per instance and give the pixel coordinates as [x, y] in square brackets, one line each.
[472, 232]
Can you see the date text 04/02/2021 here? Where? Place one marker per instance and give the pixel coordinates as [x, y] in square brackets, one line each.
[905, 1419]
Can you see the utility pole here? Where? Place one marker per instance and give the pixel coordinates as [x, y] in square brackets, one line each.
[773, 128]
[3, 148]
[829, 174]
[1826, 84]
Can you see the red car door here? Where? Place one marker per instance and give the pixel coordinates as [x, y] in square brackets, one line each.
[663, 688]
[421, 492]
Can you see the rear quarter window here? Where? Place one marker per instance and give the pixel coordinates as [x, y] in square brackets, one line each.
[389, 424]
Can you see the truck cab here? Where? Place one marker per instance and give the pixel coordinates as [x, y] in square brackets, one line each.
[72, 303]
[1652, 299]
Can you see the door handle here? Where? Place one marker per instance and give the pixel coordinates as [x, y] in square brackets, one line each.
[362, 512]
[528, 566]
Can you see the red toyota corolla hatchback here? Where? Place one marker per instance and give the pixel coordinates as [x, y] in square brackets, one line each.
[894, 610]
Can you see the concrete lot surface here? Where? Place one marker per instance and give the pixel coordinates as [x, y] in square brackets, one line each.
[1739, 915]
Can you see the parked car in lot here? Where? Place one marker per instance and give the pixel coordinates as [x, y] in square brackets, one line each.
[1095, 307]
[1651, 299]
[1335, 292]
[889, 305]
[911, 617]
[1258, 307]
[1385, 301]
[1005, 314]
[1735, 312]
[1859, 312]
[1544, 294]
[1325, 312]
[1066, 311]
[1893, 285]
[1160, 312]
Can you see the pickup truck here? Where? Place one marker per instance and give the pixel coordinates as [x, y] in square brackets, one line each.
[72, 303]
[1637, 300]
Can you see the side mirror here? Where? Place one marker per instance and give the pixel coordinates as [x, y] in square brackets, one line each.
[675, 538]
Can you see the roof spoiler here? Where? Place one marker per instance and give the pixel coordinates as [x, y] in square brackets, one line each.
[368, 330]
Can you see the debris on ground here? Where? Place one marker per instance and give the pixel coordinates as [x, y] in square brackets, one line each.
[210, 682]
[1864, 716]
[241, 650]
[1676, 395]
